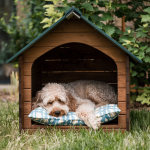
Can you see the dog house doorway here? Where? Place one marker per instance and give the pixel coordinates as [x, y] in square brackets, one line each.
[70, 62]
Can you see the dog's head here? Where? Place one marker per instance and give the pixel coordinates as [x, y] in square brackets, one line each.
[54, 99]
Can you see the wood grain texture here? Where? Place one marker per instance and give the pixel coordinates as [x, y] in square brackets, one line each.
[74, 50]
[21, 94]
[121, 94]
[121, 68]
[20, 105]
[74, 26]
[128, 92]
[27, 95]
[27, 108]
[35, 52]
[121, 121]
[27, 122]
[27, 82]
[114, 52]
[121, 81]
[68, 51]
[121, 124]
[127, 87]
[29, 68]
[56, 39]
[122, 107]
[72, 65]
[123, 24]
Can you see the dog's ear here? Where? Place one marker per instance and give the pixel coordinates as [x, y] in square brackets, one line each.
[71, 102]
[37, 101]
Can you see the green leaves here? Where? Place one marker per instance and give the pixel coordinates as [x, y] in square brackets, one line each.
[99, 24]
[148, 50]
[140, 54]
[107, 16]
[23, 30]
[142, 48]
[147, 59]
[86, 16]
[141, 34]
[145, 97]
[145, 18]
[95, 18]
[93, 1]
[87, 6]
[62, 9]
[147, 10]
[134, 73]
[109, 29]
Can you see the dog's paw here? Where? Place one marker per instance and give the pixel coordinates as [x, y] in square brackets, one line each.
[95, 124]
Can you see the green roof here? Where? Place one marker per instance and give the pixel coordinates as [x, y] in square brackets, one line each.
[78, 14]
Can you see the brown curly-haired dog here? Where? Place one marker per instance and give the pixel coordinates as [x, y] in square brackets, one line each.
[81, 96]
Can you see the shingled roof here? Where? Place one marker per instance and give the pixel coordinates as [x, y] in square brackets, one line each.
[68, 14]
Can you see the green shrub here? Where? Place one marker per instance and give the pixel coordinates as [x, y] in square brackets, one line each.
[22, 30]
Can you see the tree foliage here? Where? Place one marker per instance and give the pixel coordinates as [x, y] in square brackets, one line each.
[138, 42]
[22, 30]
[90, 10]
[144, 98]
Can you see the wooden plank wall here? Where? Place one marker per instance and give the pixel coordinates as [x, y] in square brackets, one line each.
[73, 31]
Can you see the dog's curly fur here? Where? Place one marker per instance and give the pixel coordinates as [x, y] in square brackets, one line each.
[81, 96]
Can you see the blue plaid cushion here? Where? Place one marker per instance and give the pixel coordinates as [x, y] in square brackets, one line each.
[104, 113]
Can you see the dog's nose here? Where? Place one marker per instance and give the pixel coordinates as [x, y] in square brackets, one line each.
[57, 113]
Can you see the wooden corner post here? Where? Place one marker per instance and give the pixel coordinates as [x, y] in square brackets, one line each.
[21, 113]
[127, 93]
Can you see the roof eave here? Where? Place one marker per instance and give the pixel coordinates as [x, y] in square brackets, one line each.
[78, 14]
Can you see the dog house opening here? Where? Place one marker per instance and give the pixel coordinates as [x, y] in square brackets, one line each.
[70, 62]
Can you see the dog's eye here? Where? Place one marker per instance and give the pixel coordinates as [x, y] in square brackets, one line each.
[49, 102]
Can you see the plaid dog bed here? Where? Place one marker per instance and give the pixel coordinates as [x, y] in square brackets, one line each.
[105, 113]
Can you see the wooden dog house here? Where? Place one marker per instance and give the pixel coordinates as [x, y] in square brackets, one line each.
[73, 49]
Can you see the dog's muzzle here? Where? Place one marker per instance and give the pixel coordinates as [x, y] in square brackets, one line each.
[57, 113]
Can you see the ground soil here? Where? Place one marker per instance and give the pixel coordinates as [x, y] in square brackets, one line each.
[138, 106]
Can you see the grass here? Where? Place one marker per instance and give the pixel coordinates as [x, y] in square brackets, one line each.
[10, 138]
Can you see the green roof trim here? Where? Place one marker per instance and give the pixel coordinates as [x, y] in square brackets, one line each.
[76, 11]
[73, 9]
